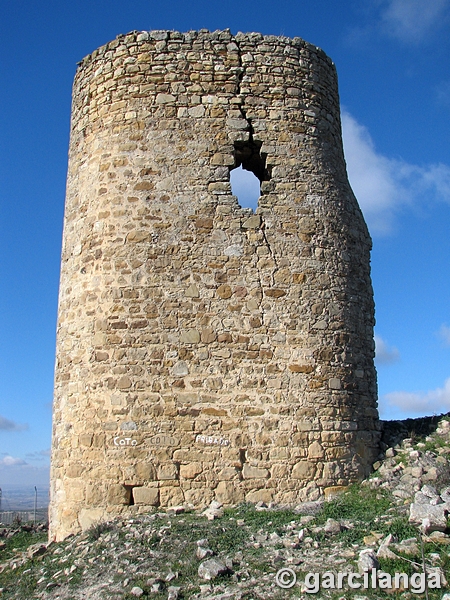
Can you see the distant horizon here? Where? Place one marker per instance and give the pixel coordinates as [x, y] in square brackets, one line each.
[21, 497]
[14, 486]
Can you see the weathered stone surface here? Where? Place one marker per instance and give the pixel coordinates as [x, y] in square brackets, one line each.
[192, 291]
[385, 552]
[229, 493]
[431, 518]
[180, 369]
[252, 222]
[367, 560]
[261, 495]
[304, 469]
[332, 526]
[240, 344]
[331, 492]
[250, 472]
[202, 552]
[275, 293]
[146, 495]
[191, 336]
[137, 591]
[191, 470]
[165, 98]
[212, 568]
[224, 291]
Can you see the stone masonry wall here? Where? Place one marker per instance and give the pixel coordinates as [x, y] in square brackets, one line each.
[204, 351]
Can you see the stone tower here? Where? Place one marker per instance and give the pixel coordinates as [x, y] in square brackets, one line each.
[205, 351]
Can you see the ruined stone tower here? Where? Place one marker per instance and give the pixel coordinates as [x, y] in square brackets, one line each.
[205, 351]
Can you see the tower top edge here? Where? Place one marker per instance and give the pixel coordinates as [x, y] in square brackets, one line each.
[201, 35]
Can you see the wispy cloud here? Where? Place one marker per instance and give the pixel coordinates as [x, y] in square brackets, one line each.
[444, 334]
[443, 93]
[411, 21]
[41, 455]
[385, 354]
[16, 471]
[384, 186]
[433, 402]
[8, 425]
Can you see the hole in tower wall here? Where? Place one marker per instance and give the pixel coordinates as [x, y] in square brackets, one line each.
[246, 187]
[129, 495]
[248, 172]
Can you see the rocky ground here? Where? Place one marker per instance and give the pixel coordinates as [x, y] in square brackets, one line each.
[396, 521]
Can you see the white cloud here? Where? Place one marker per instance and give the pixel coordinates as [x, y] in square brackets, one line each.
[384, 186]
[8, 425]
[385, 354]
[10, 461]
[437, 176]
[413, 20]
[371, 176]
[433, 402]
[444, 334]
[15, 471]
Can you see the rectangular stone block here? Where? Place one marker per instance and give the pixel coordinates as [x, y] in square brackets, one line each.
[146, 495]
[249, 472]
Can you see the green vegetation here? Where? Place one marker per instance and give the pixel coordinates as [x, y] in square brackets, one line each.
[362, 506]
[172, 543]
[97, 530]
[255, 519]
[20, 542]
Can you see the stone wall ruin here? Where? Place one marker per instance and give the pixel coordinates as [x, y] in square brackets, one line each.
[205, 351]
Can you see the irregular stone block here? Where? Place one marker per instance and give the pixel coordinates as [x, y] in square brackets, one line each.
[333, 491]
[249, 472]
[118, 494]
[191, 470]
[192, 291]
[367, 560]
[332, 527]
[275, 293]
[304, 470]
[431, 518]
[224, 291]
[180, 369]
[252, 222]
[165, 98]
[212, 568]
[191, 336]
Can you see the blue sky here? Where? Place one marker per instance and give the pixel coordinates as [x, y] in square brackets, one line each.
[392, 58]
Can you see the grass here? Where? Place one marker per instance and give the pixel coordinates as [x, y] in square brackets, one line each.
[170, 543]
[400, 528]
[360, 505]
[257, 519]
[22, 581]
[97, 530]
[20, 542]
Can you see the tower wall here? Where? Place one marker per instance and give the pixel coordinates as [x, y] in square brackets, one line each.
[204, 351]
